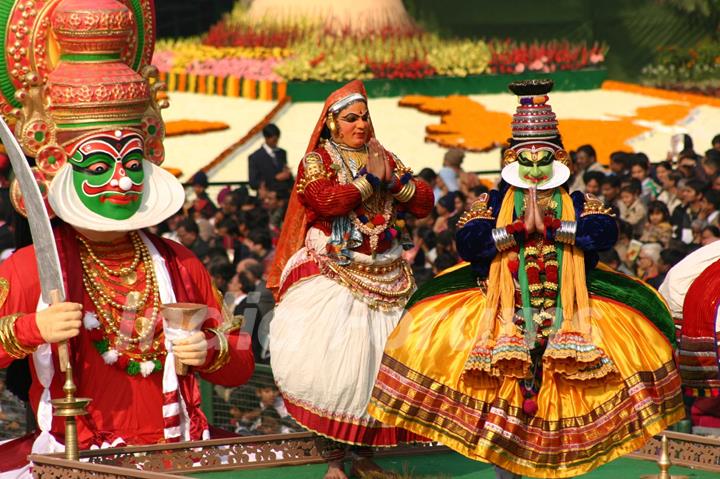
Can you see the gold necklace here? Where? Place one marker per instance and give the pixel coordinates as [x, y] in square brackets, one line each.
[128, 272]
[143, 325]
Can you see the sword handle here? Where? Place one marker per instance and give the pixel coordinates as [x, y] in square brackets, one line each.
[63, 356]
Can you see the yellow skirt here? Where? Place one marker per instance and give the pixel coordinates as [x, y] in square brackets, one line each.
[579, 425]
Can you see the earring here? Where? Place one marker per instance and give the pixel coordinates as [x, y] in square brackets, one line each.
[331, 123]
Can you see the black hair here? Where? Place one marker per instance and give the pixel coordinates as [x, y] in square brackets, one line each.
[614, 181]
[697, 185]
[712, 158]
[634, 186]
[659, 206]
[598, 176]
[588, 150]
[189, 225]
[712, 229]
[255, 268]
[712, 197]
[640, 160]
[270, 130]
[261, 237]
[427, 174]
[672, 256]
[246, 282]
[224, 270]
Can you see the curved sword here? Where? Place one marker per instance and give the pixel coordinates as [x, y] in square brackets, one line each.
[46, 254]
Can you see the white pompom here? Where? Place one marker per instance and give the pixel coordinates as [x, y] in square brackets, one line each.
[110, 356]
[146, 368]
[90, 321]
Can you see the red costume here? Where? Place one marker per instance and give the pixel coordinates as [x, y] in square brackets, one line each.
[91, 119]
[341, 281]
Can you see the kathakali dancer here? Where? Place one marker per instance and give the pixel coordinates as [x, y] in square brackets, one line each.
[530, 357]
[340, 279]
[92, 122]
[692, 290]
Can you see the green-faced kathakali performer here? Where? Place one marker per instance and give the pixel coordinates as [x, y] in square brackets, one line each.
[531, 357]
[77, 82]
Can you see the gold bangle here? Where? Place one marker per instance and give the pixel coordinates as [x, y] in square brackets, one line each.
[9, 340]
[406, 192]
[223, 356]
[364, 186]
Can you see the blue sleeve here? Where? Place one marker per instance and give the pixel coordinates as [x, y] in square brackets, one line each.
[595, 232]
[474, 241]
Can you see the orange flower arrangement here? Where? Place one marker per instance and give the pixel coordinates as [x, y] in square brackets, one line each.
[469, 125]
[691, 98]
[193, 127]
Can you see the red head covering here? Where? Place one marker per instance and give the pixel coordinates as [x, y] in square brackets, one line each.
[294, 226]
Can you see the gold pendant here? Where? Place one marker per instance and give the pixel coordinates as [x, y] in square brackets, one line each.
[142, 325]
[131, 278]
[133, 298]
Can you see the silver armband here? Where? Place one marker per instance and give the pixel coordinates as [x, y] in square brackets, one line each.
[503, 239]
[566, 232]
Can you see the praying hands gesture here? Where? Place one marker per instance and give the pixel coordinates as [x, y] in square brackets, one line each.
[534, 214]
[377, 163]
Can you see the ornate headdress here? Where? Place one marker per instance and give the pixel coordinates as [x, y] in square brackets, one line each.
[534, 130]
[78, 82]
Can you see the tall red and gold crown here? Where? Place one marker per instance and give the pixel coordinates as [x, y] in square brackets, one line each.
[76, 67]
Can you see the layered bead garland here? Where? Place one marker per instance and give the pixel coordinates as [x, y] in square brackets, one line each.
[123, 288]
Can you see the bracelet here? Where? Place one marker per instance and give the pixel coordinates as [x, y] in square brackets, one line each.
[406, 192]
[364, 186]
[223, 356]
[503, 239]
[9, 340]
[566, 232]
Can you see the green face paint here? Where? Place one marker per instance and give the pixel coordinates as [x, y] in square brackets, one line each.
[108, 174]
[535, 166]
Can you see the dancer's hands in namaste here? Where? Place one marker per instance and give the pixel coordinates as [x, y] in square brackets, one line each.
[59, 321]
[378, 164]
[534, 214]
[192, 350]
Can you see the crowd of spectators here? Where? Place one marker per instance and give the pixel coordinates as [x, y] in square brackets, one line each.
[665, 209]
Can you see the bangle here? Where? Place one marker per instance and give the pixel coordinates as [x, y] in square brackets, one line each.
[223, 356]
[406, 192]
[503, 239]
[566, 232]
[9, 340]
[364, 186]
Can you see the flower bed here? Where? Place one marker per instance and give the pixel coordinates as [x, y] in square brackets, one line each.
[695, 70]
[276, 52]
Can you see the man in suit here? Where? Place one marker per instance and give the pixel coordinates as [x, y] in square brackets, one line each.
[268, 165]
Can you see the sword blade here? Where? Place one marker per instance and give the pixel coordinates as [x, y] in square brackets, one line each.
[46, 254]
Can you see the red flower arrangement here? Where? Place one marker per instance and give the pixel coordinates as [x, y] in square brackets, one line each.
[510, 57]
[401, 69]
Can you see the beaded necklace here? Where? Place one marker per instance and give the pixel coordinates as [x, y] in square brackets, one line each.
[121, 333]
[374, 215]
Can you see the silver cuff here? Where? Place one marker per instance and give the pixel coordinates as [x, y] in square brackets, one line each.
[503, 240]
[566, 232]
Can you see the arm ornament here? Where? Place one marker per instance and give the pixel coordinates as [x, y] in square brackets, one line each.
[223, 356]
[503, 239]
[364, 186]
[313, 169]
[9, 341]
[566, 232]
[594, 206]
[406, 192]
